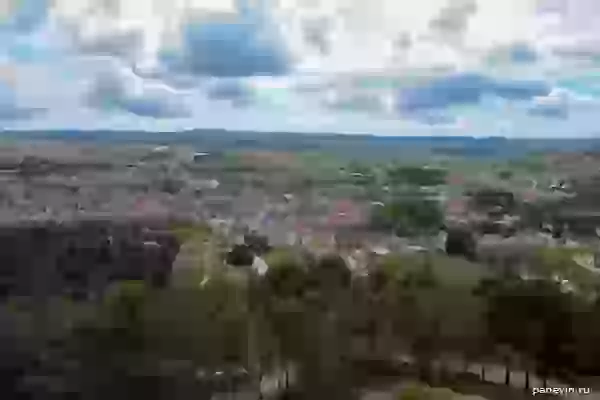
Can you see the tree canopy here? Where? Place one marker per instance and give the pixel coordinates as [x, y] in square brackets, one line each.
[408, 216]
[416, 176]
[308, 323]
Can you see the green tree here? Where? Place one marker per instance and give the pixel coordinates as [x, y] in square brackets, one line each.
[326, 331]
[587, 330]
[534, 318]
[505, 175]
[109, 347]
[283, 289]
[416, 176]
[408, 216]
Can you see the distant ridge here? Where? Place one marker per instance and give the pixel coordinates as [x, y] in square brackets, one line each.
[359, 146]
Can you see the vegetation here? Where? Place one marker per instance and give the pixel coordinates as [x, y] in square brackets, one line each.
[409, 216]
[308, 324]
[416, 176]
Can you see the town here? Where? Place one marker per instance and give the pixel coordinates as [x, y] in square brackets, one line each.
[77, 219]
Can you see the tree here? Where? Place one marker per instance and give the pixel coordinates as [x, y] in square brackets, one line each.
[423, 286]
[282, 291]
[460, 241]
[109, 347]
[259, 244]
[408, 216]
[382, 297]
[146, 342]
[587, 330]
[330, 275]
[505, 175]
[241, 255]
[534, 318]
[216, 336]
[325, 331]
[416, 176]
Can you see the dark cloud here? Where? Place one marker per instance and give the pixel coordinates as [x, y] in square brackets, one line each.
[549, 112]
[557, 108]
[161, 73]
[361, 102]
[230, 90]
[403, 41]
[519, 89]
[316, 33]
[517, 53]
[236, 48]
[12, 112]
[155, 107]
[444, 92]
[583, 50]
[522, 53]
[465, 89]
[106, 90]
[109, 92]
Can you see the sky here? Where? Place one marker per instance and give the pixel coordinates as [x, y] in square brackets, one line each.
[516, 68]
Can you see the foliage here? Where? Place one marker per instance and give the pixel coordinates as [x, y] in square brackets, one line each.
[559, 264]
[241, 255]
[257, 243]
[416, 176]
[461, 242]
[408, 216]
[534, 317]
[505, 175]
[189, 232]
[309, 318]
[414, 392]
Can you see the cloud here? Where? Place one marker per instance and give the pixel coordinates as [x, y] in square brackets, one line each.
[355, 66]
[14, 113]
[233, 91]
[10, 108]
[517, 53]
[120, 44]
[555, 105]
[583, 85]
[466, 89]
[231, 48]
[121, 90]
[583, 48]
[515, 89]
[452, 20]
[554, 111]
[360, 102]
[317, 33]
[435, 118]
[561, 103]
[24, 16]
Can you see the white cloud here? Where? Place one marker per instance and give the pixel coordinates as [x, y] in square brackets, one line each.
[346, 57]
[363, 35]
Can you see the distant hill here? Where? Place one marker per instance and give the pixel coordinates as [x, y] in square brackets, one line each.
[359, 146]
